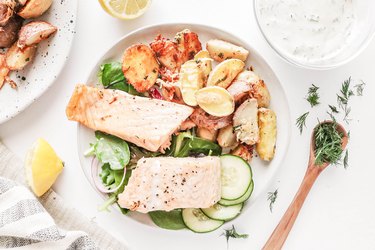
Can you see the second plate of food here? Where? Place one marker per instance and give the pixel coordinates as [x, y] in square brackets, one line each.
[206, 126]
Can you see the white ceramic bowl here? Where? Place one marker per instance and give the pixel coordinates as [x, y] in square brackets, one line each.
[364, 29]
[263, 172]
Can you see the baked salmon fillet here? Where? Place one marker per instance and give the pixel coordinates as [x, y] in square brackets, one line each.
[148, 123]
[167, 183]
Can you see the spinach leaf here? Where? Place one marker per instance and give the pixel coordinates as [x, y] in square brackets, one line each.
[168, 220]
[112, 77]
[110, 149]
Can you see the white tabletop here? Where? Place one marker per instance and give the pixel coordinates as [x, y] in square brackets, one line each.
[338, 213]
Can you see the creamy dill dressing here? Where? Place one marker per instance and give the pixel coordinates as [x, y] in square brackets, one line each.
[308, 31]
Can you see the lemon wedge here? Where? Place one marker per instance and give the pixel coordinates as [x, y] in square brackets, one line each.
[42, 167]
[215, 100]
[125, 9]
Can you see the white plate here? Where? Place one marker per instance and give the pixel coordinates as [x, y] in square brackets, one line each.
[51, 56]
[263, 172]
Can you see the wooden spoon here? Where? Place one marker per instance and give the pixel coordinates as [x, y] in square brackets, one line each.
[281, 232]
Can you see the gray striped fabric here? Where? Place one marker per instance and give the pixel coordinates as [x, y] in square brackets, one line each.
[45, 223]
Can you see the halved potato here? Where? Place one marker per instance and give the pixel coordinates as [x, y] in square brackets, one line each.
[220, 50]
[267, 134]
[205, 64]
[260, 92]
[215, 101]
[245, 122]
[191, 80]
[34, 33]
[202, 54]
[224, 73]
[34, 8]
[207, 134]
[17, 58]
[226, 137]
[140, 67]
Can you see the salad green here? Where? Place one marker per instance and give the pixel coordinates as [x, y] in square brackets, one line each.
[168, 220]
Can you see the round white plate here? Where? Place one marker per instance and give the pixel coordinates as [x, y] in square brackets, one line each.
[263, 172]
[50, 58]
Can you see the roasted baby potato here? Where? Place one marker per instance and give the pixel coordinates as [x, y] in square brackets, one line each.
[4, 71]
[34, 8]
[34, 32]
[9, 32]
[245, 122]
[224, 73]
[215, 101]
[140, 67]
[202, 54]
[243, 151]
[260, 92]
[188, 44]
[205, 65]
[207, 134]
[220, 50]
[226, 137]
[167, 53]
[267, 134]
[191, 80]
[17, 58]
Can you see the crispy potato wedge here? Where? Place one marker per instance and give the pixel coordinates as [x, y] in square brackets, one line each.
[245, 122]
[34, 32]
[188, 44]
[202, 54]
[226, 137]
[207, 134]
[205, 64]
[167, 53]
[267, 134]
[224, 73]
[34, 8]
[140, 67]
[243, 151]
[191, 80]
[260, 92]
[215, 101]
[220, 50]
[17, 58]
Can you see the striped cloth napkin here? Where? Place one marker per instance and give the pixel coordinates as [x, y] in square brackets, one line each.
[45, 223]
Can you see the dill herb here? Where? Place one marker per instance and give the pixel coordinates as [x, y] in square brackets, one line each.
[343, 98]
[328, 143]
[272, 196]
[313, 95]
[232, 233]
[359, 88]
[301, 122]
[346, 159]
[333, 109]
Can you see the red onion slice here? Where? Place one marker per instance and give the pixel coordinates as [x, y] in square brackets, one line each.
[96, 178]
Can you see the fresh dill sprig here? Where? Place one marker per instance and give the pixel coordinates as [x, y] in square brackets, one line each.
[359, 88]
[313, 95]
[346, 159]
[328, 143]
[301, 122]
[333, 109]
[272, 196]
[343, 98]
[232, 233]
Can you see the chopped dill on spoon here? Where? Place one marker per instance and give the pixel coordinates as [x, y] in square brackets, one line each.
[328, 143]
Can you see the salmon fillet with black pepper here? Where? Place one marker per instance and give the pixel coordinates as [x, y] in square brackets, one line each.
[167, 183]
[148, 123]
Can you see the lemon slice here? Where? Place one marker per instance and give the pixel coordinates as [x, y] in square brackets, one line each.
[42, 167]
[215, 100]
[125, 9]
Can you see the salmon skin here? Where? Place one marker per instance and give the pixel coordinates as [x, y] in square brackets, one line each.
[148, 123]
[167, 183]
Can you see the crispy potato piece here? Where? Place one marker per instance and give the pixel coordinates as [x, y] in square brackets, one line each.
[202, 54]
[244, 151]
[167, 53]
[34, 8]
[224, 73]
[34, 32]
[260, 92]
[220, 50]
[267, 134]
[188, 44]
[17, 58]
[245, 122]
[4, 70]
[140, 67]
[226, 137]
[207, 134]
[191, 80]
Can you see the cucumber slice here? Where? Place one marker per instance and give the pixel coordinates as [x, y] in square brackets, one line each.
[219, 212]
[236, 177]
[198, 222]
[240, 200]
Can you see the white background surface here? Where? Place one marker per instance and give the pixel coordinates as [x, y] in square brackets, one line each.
[338, 214]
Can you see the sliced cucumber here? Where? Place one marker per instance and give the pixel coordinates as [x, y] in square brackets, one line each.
[198, 222]
[240, 200]
[219, 212]
[236, 177]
